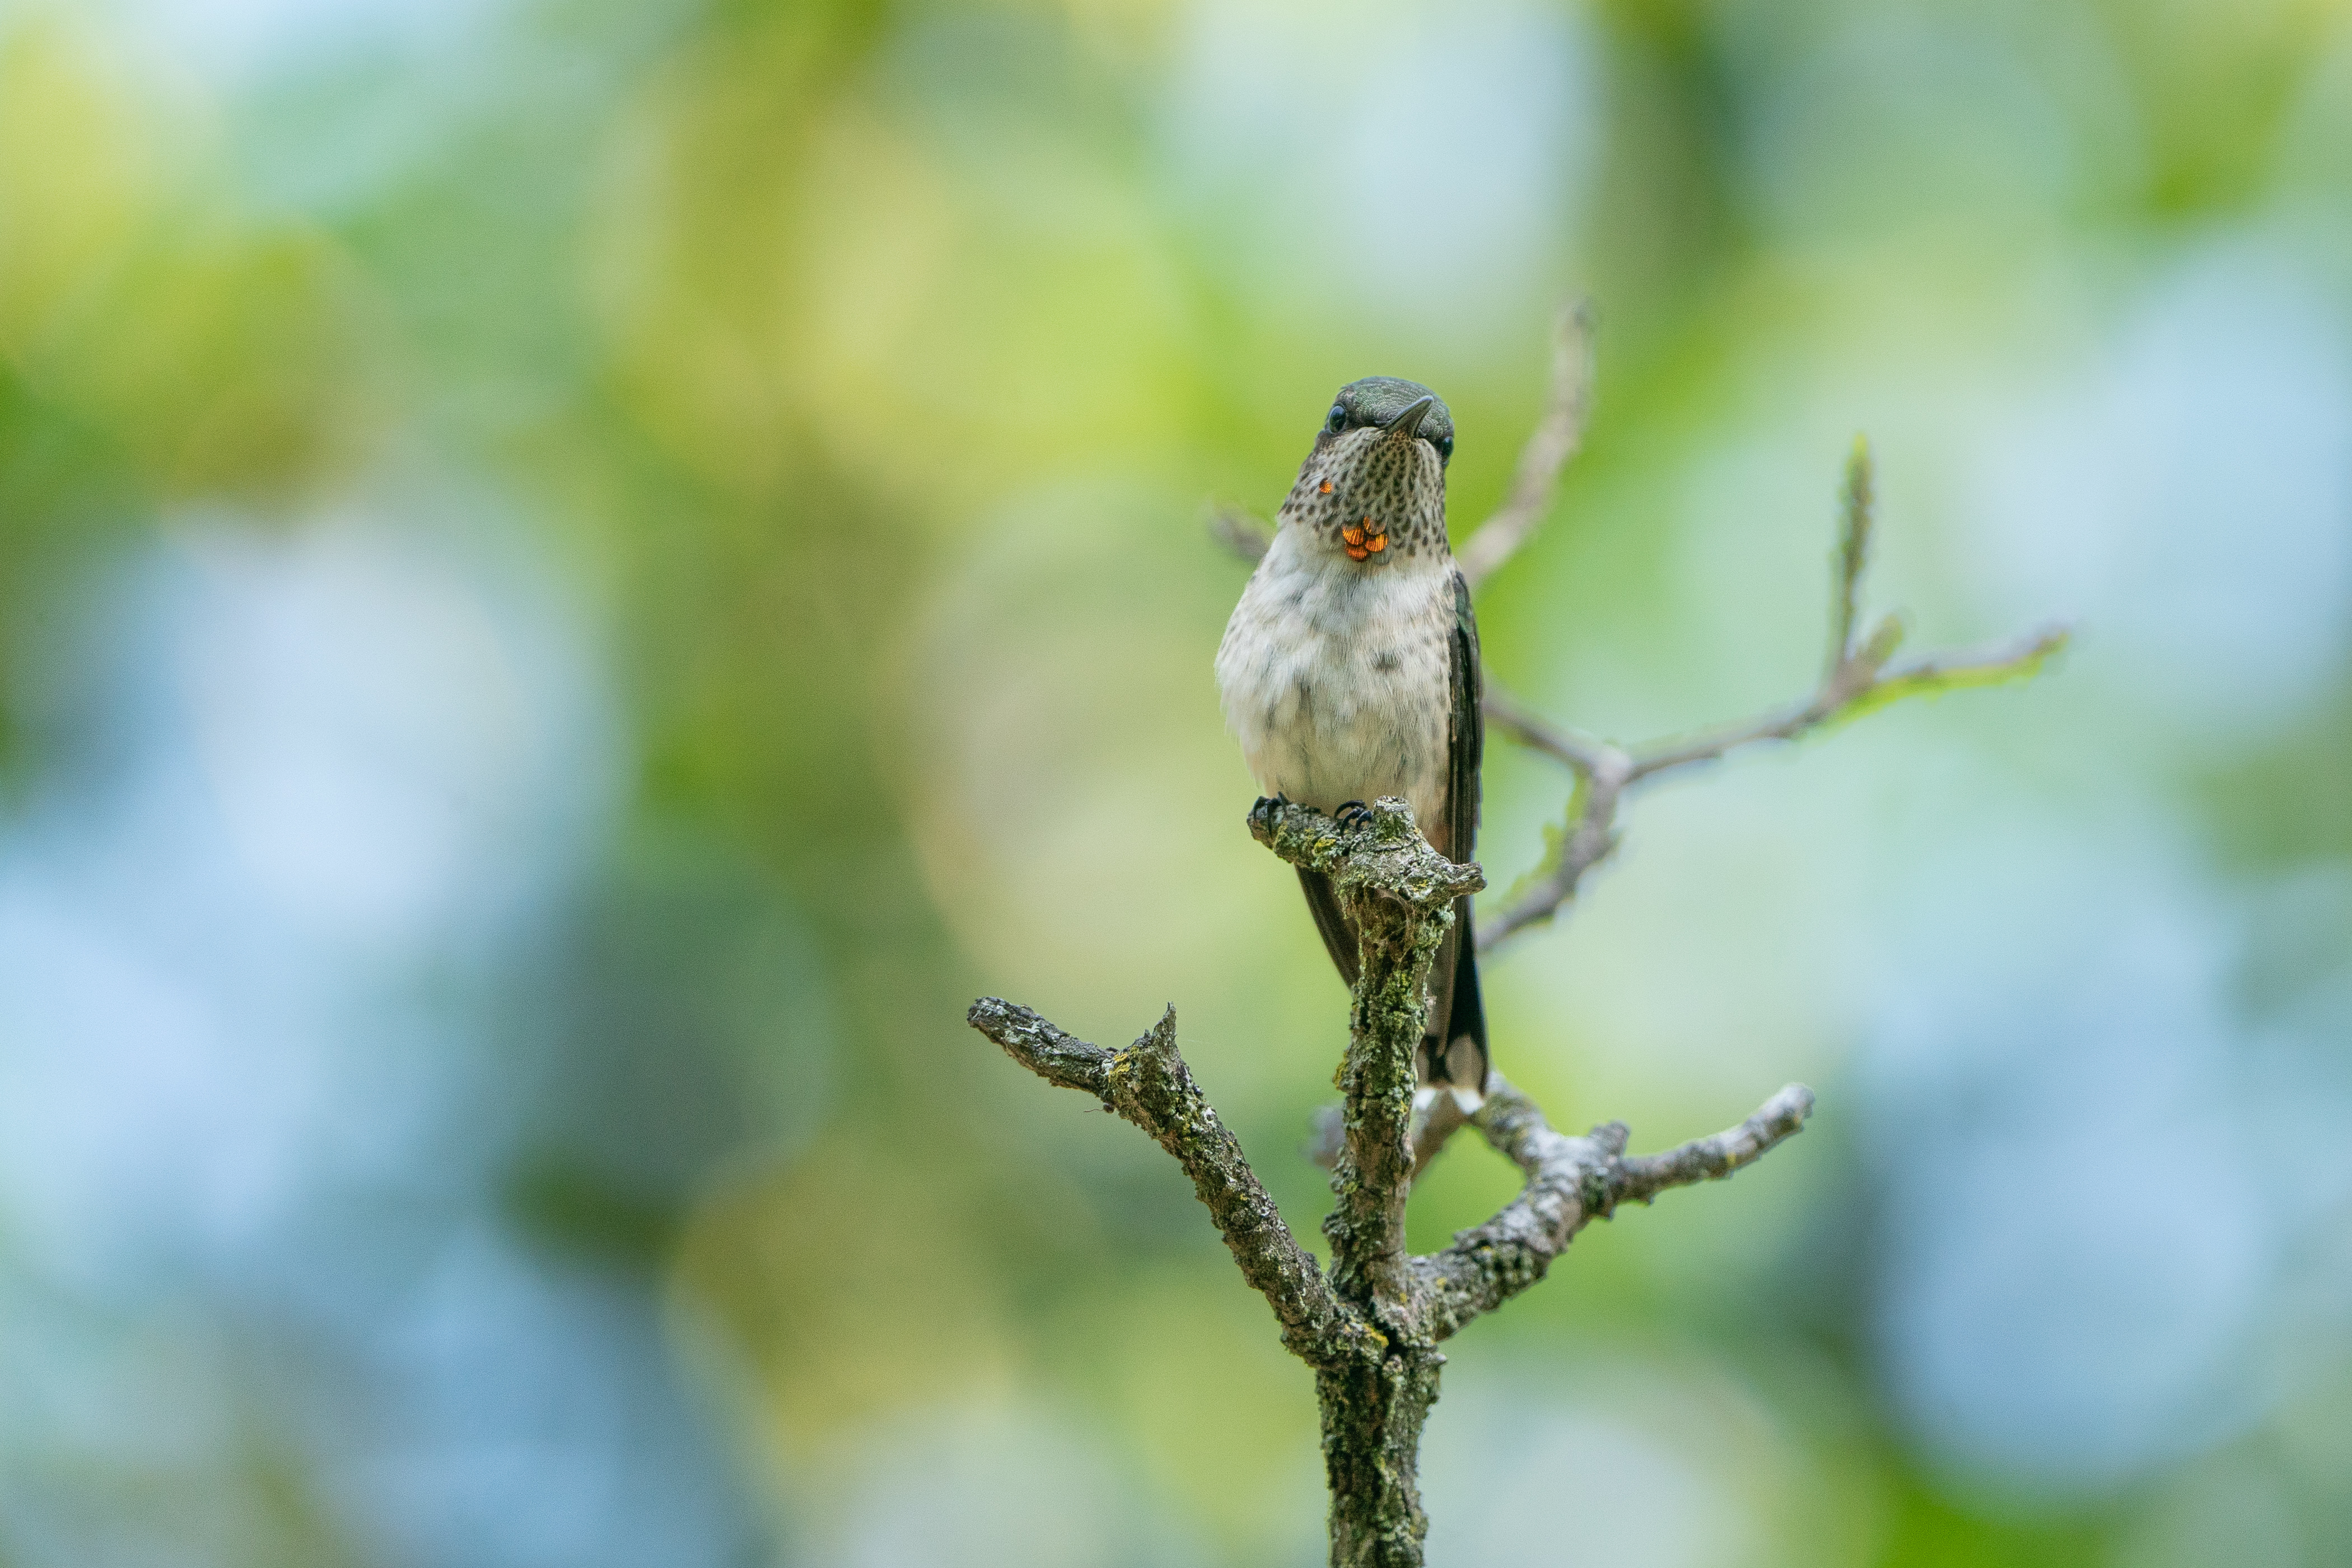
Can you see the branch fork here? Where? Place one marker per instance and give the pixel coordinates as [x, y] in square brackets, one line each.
[1858, 675]
[1370, 1325]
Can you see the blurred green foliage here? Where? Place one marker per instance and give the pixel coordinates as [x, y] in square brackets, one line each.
[862, 368]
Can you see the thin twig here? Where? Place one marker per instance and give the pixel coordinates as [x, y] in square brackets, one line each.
[1856, 679]
[1833, 704]
[1148, 1085]
[1557, 437]
[1555, 440]
[1852, 555]
[1641, 1177]
[1370, 1327]
[1530, 728]
[1590, 836]
[1994, 666]
[1570, 1183]
[1241, 531]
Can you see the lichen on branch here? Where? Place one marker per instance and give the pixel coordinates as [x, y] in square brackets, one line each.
[1148, 1084]
[1371, 1325]
[1370, 1328]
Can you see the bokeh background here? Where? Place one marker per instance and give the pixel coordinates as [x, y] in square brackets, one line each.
[576, 577]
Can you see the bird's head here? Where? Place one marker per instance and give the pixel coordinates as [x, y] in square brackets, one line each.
[1383, 407]
[1374, 486]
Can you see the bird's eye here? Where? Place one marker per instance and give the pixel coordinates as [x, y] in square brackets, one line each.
[1444, 447]
[1336, 420]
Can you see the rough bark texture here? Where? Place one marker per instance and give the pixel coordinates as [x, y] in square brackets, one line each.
[1374, 1406]
[1148, 1085]
[1398, 894]
[1370, 1327]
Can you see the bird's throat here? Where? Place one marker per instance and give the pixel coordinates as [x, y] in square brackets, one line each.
[1365, 540]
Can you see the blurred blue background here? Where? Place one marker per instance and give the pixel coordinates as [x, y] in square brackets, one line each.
[575, 578]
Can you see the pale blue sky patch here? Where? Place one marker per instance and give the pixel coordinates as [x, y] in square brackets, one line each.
[1419, 162]
[2187, 496]
[319, 795]
[2090, 1226]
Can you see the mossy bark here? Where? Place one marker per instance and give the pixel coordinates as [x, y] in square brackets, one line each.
[1372, 1325]
[1370, 1328]
[1376, 1397]
[1374, 1406]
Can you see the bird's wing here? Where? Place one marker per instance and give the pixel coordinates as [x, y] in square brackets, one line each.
[1454, 981]
[1338, 936]
[1467, 744]
[1463, 1056]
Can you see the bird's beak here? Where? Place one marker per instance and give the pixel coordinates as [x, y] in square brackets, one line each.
[1408, 424]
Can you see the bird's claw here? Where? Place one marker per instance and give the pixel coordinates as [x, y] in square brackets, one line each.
[1352, 814]
[1266, 806]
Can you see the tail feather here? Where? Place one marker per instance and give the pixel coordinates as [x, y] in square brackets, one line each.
[1454, 1056]
[1331, 921]
[1465, 1027]
[1457, 1057]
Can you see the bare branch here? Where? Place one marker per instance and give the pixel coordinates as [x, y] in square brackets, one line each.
[1857, 687]
[2019, 659]
[1029, 1038]
[1856, 679]
[1603, 773]
[1570, 1183]
[1399, 896]
[1555, 438]
[1590, 837]
[1148, 1085]
[1531, 730]
[1566, 1186]
[1370, 1327]
[1381, 852]
[1441, 1121]
[1852, 555]
[1644, 1176]
[1241, 531]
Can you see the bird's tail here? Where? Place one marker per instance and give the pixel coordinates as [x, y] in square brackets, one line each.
[1454, 1058]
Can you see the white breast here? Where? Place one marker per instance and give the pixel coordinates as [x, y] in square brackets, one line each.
[1335, 679]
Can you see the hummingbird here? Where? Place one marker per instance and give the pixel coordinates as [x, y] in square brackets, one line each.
[1350, 670]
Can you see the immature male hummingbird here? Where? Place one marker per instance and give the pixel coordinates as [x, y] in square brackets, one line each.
[1350, 670]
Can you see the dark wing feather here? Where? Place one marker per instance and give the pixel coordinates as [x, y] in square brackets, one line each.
[1338, 936]
[1468, 748]
[1460, 1056]
[1465, 1064]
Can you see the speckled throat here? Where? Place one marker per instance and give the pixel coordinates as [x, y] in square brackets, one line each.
[1373, 494]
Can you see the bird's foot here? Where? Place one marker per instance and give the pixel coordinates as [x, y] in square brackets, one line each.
[1352, 814]
[1266, 806]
